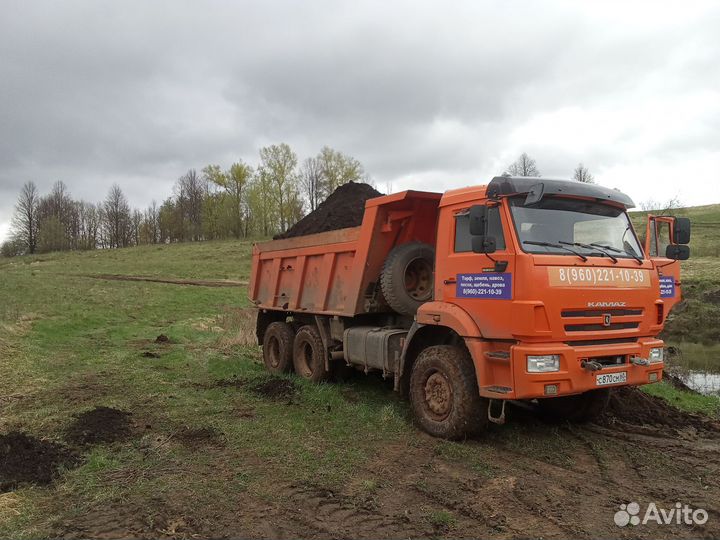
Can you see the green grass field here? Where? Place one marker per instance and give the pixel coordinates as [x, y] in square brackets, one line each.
[70, 342]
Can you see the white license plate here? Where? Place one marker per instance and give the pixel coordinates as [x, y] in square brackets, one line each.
[611, 378]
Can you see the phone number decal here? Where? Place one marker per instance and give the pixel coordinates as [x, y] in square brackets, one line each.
[598, 277]
[490, 286]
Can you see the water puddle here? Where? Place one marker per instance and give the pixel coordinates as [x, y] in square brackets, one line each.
[697, 365]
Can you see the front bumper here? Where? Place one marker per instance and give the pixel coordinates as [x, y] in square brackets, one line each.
[572, 378]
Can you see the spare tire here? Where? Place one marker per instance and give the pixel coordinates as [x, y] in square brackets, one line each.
[407, 277]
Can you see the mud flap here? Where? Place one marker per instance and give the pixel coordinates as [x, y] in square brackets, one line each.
[496, 419]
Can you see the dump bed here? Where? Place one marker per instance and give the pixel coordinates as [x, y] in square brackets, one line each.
[337, 272]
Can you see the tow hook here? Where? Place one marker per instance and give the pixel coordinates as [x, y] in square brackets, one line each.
[637, 361]
[497, 419]
[591, 365]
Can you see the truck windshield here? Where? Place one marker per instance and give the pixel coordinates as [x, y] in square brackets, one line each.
[590, 227]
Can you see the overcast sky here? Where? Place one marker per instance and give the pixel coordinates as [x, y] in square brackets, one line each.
[427, 95]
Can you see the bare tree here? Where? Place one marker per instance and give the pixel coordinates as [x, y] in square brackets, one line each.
[661, 208]
[191, 192]
[152, 223]
[116, 213]
[88, 225]
[582, 174]
[312, 181]
[25, 220]
[136, 220]
[524, 165]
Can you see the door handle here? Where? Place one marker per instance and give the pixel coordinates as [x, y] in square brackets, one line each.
[449, 281]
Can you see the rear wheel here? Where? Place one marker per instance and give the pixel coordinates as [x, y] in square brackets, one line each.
[309, 354]
[444, 393]
[578, 408]
[278, 347]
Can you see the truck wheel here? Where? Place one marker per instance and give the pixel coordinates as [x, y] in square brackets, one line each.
[578, 408]
[309, 354]
[407, 277]
[278, 347]
[444, 393]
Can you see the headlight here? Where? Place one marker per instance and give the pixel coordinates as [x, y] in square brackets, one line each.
[656, 355]
[544, 363]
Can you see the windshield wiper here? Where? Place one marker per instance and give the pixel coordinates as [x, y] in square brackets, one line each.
[559, 246]
[591, 247]
[616, 250]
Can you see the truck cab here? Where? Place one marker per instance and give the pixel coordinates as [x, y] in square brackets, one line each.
[550, 288]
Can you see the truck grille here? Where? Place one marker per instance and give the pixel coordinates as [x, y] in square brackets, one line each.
[600, 312]
[600, 320]
[593, 327]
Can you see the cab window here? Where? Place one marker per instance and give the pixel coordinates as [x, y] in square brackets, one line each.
[463, 240]
[663, 237]
[660, 237]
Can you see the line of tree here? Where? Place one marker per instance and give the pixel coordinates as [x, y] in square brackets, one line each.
[216, 203]
[524, 165]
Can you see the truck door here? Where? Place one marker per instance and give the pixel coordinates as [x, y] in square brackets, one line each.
[481, 283]
[662, 232]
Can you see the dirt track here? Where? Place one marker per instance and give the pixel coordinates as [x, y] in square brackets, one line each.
[422, 488]
[172, 281]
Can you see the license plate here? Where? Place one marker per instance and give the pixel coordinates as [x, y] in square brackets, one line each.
[611, 378]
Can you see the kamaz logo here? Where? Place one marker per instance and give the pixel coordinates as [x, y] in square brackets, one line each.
[606, 304]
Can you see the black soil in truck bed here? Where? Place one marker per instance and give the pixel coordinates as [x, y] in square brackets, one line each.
[342, 209]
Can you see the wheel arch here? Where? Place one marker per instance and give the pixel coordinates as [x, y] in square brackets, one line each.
[264, 319]
[420, 336]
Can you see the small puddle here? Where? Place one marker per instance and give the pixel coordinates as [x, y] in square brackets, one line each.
[698, 366]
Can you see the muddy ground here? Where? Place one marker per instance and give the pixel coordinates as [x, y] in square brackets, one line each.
[642, 450]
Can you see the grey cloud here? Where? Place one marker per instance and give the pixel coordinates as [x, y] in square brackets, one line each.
[136, 93]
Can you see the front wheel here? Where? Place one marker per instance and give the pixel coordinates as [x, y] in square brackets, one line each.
[584, 407]
[444, 393]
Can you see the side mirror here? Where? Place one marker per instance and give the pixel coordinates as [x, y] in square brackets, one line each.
[478, 220]
[484, 244]
[676, 252]
[681, 231]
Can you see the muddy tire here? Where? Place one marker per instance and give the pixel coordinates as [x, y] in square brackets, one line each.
[444, 393]
[578, 408]
[407, 277]
[278, 347]
[309, 354]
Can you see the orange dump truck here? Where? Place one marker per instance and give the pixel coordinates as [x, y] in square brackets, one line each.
[522, 289]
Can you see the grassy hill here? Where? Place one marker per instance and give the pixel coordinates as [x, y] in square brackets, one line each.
[705, 239]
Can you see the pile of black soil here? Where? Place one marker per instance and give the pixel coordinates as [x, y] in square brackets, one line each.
[275, 388]
[99, 425]
[629, 405]
[27, 460]
[342, 209]
[162, 338]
